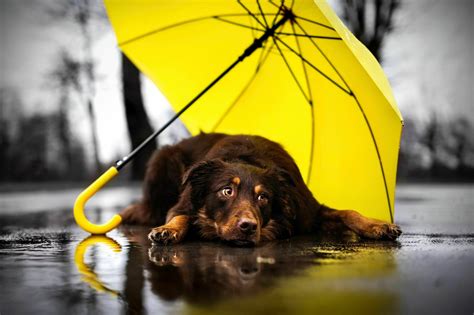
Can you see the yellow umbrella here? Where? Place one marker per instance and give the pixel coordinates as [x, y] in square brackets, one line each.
[288, 71]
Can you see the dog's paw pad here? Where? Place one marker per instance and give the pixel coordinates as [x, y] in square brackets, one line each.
[385, 231]
[164, 235]
[393, 231]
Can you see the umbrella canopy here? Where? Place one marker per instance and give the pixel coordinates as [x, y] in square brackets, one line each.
[306, 83]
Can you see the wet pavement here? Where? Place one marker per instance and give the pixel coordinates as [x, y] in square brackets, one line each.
[49, 266]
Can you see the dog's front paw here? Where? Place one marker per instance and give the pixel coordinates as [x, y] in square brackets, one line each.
[165, 235]
[383, 231]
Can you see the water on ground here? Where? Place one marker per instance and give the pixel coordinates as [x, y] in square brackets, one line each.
[49, 266]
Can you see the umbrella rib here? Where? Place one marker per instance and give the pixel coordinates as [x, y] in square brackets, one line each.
[278, 12]
[313, 66]
[171, 26]
[238, 24]
[164, 28]
[292, 73]
[378, 155]
[250, 13]
[365, 118]
[263, 15]
[277, 33]
[311, 155]
[304, 66]
[276, 5]
[263, 57]
[324, 55]
[314, 22]
[309, 36]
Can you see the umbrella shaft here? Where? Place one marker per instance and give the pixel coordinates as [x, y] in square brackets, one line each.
[269, 32]
[247, 52]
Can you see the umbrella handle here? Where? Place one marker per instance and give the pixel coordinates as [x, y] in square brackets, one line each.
[85, 195]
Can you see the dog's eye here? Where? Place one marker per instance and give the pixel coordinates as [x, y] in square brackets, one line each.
[262, 197]
[227, 191]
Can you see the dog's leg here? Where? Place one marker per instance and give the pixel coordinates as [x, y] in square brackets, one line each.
[363, 226]
[162, 184]
[137, 213]
[160, 190]
[172, 232]
[177, 224]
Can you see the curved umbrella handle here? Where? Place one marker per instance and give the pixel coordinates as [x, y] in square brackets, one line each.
[85, 195]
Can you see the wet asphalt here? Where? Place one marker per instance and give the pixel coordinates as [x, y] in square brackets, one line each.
[49, 266]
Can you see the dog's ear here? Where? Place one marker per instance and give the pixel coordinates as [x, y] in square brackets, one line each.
[199, 176]
[201, 171]
[282, 176]
[285, 177]
[285, 191]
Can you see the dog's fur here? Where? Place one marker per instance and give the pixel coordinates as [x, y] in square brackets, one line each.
[240, 189]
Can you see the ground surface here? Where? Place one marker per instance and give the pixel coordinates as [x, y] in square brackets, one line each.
[49, 266]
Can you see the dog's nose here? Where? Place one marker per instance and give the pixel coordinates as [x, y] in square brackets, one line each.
[247, 226]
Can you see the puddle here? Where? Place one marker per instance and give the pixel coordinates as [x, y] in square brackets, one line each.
[48, 265]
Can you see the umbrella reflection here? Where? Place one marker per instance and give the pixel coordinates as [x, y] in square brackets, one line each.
[88, 275]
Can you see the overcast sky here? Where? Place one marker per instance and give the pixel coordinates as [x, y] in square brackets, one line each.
[429, 59]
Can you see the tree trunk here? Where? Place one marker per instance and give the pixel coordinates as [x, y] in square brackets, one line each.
[137, 120]
[64, 134]
[356, 14]
[95, 142]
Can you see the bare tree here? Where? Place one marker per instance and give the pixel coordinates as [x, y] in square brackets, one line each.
[370, 21]
[11, 107]
[83, 12]
[65, 77]
[436, 142]
[462, 147]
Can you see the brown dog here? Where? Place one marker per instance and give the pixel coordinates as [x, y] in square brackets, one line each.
[240, 189]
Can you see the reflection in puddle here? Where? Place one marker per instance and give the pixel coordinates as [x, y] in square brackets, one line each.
[211, 277]
[429, 274]
[207, 272]
[88, 275]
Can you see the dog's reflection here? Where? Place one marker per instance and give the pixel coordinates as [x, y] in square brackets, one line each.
[205, 272]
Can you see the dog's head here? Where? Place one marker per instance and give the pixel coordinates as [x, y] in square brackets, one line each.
[235, 200]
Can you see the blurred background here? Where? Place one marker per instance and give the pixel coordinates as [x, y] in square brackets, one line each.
[71, 104]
